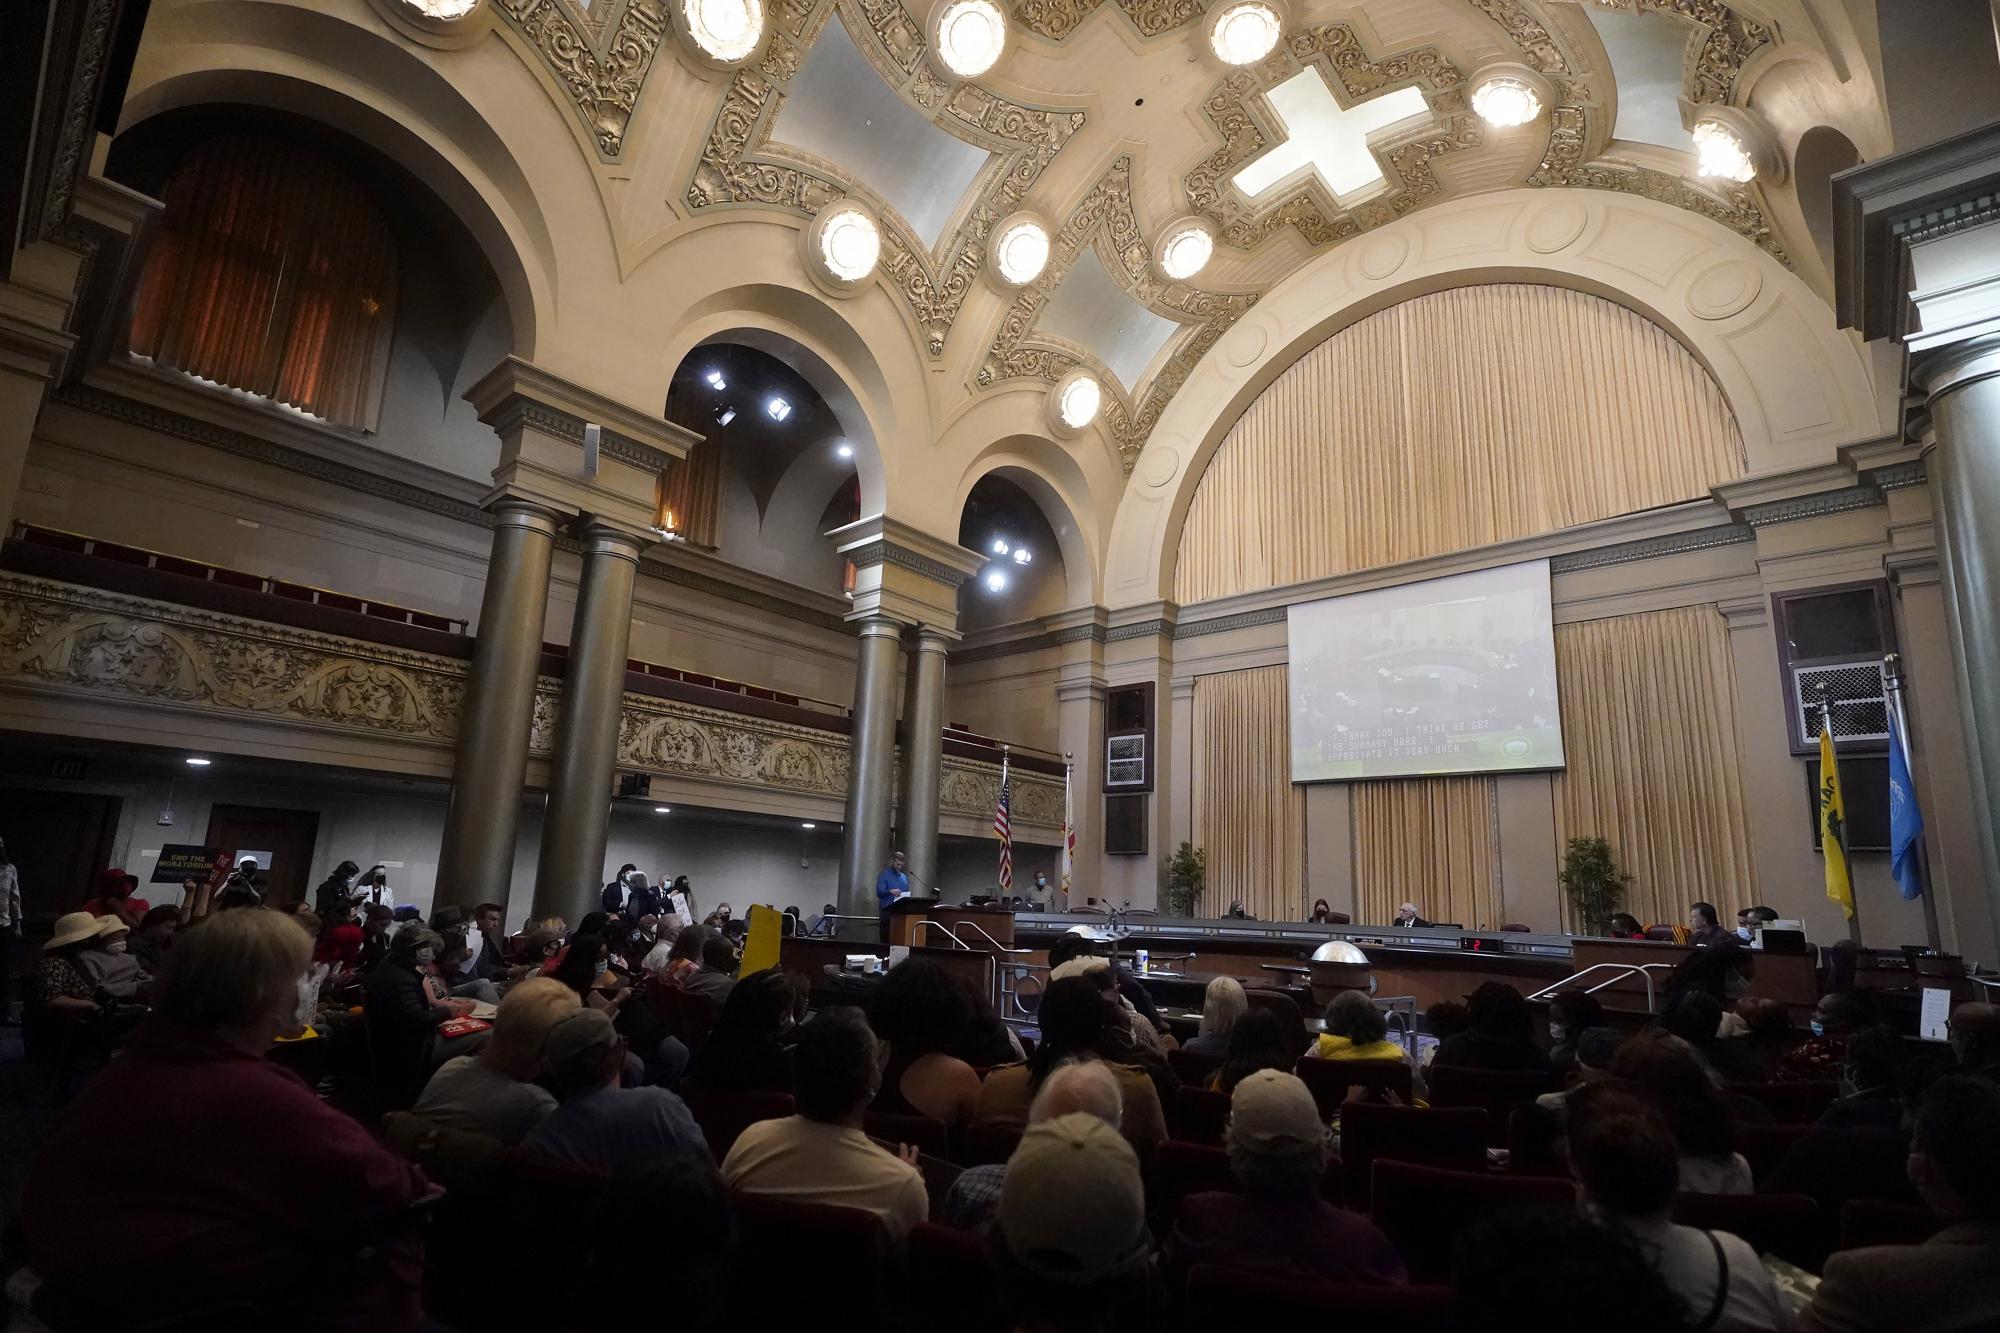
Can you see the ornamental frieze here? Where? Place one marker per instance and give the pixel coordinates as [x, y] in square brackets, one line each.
[972, 787]
[598, 53]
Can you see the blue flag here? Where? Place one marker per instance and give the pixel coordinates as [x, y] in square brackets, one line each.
[1906, 821]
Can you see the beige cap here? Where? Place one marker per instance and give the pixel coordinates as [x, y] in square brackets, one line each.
[1274, 1112]
[1082, 965]
[1073, 1208]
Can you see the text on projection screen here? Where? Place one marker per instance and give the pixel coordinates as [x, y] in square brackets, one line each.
[1451, 675]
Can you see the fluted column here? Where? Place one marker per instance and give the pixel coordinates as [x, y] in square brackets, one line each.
[571, 868]
[871, 763]
[923, 754]
[476, 862]
[1963, 383]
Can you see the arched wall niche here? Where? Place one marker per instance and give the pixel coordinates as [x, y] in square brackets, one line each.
[371, 86]
[1799, 386]
[1823, 153]
[1051, 479]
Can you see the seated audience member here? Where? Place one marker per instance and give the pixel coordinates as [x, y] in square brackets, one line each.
[485, 958]
[1768, 1033]
[1536, 1271]
[1861, 1161]
[986, 1041]
[1595, 1051]
[684, 957]
[1322, 912]
[1573, 1011]
[1696, 1113]
[820, 1155]
[747, 1050]
[1945, 1285]
[719, 919]
[1258, 1041]
[1500, 1035]
[110, 964]
[1068, 1242]
[1143, 1037]
[1625, 1163]
[539, 951]
[1279, 1221]
[1751, 920]
[1076, 1024]
[1406, 915]
[495, 1092]
[598, 1124]
[402, 1013]
[1086, 1088]
[1222, 1004]
[1355, 1030]
[1837, 1016]
[115, 898]
[242, 1172]
[717, 974]
[154, 937]
[1625, 926]
[1705, 927]
[1871, 1081]
[661, 1058]
[921, 1011]
[63, 984]
[1443, 1020]
[1975, 1038]
[1693, 1020]
[583, 962]
[340, 940]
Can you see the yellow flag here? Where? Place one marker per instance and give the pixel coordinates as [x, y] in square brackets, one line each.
[1833, 829]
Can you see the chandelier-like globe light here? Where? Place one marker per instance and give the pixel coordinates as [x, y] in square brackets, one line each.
[443, 9]
[849, 243]
[1078, 402]
[1185, 251]
[970, 37]
[725, 30]
[1245, 32]
[1720, 154]
[1021, 251]
[1504, 101]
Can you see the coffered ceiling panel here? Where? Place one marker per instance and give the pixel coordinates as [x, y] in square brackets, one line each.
[1647, 52]
[1092, 311]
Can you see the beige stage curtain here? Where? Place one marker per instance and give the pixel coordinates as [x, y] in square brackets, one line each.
[1649, 730]
[1247, 813]
[1455, 420]
[273, 273]
[1428, 841]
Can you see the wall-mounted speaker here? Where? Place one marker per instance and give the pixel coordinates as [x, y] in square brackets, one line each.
[1125, 824]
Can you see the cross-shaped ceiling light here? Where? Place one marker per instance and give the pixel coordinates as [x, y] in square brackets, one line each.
[1332, 140]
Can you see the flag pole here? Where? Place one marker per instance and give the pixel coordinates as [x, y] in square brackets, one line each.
[1833, 755]
[1892, 680]
[1068, 830]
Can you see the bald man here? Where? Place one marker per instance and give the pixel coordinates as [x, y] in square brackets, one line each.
[1086, 1087]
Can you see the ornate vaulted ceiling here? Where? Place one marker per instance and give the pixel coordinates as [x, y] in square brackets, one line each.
[1110, 118]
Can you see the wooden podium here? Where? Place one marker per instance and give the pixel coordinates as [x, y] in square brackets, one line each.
[906, 918]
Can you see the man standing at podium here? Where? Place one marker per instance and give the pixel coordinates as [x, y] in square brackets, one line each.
[890, 885]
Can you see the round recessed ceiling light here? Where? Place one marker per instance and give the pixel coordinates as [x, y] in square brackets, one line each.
[1185, 250]
[1020, 250]
[970, 36]
[726, 31]
[1244, 32]
[1721, 154]
[1078, 399]
[1505, 101]
[446, 10]
[843, 246]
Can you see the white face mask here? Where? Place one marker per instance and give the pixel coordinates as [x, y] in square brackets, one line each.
[1558, 1033]
[114, 946]
[426, 955]
[1746, 934]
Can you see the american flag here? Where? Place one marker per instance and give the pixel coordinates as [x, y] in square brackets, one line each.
[1004, 827]
[1068, 837]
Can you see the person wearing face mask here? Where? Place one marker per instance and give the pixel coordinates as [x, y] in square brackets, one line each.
[402, 1013]
[236, 1141]
[335, 889]
[111, 965]
[1835, 1018]
[1871, 1082]
[1753, 919]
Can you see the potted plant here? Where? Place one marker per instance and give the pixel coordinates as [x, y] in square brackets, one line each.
[1594, 883]
[1187, 877]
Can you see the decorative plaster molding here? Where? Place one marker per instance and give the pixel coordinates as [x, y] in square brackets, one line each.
[1863, 496]
[71, 150]
[1652, 548]
[1139, 629]
[518, 393]
[1898, 475]
[1194, 629]
[599, 54]
[740, 164]
[972, 787]
[1057, 19]
[1105, 218]
[881, 551]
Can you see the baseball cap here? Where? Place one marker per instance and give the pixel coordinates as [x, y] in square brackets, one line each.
[1072, 1207]
[1273, 1112]
[579, 1042]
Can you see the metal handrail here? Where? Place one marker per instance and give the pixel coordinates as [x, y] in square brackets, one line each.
[1620, 972]
[952, 931]
[816, 932]
[939, 925]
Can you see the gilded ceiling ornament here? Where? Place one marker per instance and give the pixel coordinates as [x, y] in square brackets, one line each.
[1057, 19]
[1104, 218]
[1235, 110]
[600, 54]
[741, 164]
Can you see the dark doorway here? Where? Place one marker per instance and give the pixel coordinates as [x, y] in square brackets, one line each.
[282, 839]
[59, 840]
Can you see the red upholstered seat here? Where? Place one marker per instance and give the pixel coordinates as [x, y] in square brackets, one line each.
[1221, 1297]
[1764, 1146]
[1498, 1091]
[1290, 1017]
[848, 1242]
[952, 1288]
[1787, 1225]
[1199, 1115]
[1454, 1138]
[1790, 1103]
[1424, 1209]
[1878, 1222]
[724, 1115]
[1329, 1080]
[688, 1017]
[1191, 1069]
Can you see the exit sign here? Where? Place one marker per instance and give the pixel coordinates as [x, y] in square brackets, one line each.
[68, 767]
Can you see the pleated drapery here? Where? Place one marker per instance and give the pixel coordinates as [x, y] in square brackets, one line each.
[1451, 421]
[272, 273]
[1428, 841]
[1649, 730]
[690, 495]
[1247, 813]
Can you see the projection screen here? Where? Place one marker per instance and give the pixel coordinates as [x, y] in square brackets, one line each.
[1451, 675]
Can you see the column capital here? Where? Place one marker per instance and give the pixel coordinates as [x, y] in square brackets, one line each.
[541, 419]
[905, 572]
[601, 537]
[513, 511]
[1959, 364]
